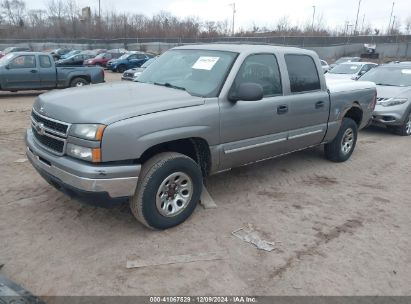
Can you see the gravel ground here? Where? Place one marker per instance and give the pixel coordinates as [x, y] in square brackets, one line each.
[339, 229]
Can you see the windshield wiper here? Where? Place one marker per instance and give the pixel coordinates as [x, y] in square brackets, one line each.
[169, 85]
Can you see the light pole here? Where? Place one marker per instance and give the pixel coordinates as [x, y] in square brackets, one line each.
[234, 11]
[392, 11]
[356, 20]
[393, 23]
[312, 26]
[99, 9]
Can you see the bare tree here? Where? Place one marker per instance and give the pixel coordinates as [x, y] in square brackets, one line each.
[14, 10]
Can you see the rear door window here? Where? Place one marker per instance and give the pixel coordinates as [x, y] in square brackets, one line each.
[303, 73]
[45, 61]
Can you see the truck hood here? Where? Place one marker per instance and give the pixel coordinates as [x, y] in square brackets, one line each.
[108, 103]
[390, 91]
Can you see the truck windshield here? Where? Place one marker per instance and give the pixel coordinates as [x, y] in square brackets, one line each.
[345, 69]
[199, 72]
[389, 76]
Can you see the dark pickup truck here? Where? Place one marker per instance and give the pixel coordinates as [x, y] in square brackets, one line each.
[37, 71]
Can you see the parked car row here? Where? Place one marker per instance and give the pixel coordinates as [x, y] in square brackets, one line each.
[134, 73]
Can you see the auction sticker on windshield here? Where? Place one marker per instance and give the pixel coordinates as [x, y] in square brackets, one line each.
[406, 71]
[205, 63]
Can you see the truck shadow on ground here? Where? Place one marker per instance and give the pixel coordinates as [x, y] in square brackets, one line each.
[21, 94]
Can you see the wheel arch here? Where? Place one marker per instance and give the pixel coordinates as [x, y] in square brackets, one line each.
[354, 112]
[196, 148]
[85, 77]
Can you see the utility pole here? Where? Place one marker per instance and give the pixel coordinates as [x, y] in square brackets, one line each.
[234, 11]
[99, 9]
[312, 26]
[392, 11]
[393, 23]
[363, 21]
[356, 20]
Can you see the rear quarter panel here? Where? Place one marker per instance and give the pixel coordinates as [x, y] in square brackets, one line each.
[347, 94]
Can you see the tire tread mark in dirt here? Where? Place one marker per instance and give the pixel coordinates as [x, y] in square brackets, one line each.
[322, 238]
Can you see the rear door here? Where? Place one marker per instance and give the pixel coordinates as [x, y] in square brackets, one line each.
[47, 72]
[22, 73]
[309, 102]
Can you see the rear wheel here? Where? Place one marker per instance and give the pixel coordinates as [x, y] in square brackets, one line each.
[168, 190]
[79, 82]
[342, 147]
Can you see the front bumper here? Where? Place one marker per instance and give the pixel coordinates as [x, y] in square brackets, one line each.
[394, 115]
[81, 178]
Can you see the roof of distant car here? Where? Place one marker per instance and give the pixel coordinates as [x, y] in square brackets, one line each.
[358, 63]
[400, 65]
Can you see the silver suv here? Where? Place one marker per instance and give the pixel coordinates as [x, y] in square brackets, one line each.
[393, 96]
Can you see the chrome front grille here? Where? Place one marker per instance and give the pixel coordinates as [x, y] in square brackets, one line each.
[49, 133]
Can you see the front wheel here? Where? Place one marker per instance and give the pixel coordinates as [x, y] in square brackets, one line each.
[121, 68]
[343, 145]
[168, 190]
[404, 129]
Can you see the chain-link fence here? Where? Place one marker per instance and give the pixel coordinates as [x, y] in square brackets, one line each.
[278, 40]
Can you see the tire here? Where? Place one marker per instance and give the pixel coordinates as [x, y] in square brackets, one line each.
[78, 82]
[343, 145]
[152, 199]
[404, 129]
[121, 68]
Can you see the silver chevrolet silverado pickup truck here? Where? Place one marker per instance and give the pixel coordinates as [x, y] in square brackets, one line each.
[196, 111]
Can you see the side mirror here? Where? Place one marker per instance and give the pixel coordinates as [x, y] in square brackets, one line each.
[7, 66]
[247, 91]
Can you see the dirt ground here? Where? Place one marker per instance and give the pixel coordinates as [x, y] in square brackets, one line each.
[339, 229]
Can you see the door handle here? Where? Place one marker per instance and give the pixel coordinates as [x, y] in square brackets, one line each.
[282, 109]
[33, 71]
[319, 104]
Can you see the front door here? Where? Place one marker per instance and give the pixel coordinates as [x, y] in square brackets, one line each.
[22, 73]
[255, 130]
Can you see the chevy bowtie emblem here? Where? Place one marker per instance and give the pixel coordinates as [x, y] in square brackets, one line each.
[40, 128]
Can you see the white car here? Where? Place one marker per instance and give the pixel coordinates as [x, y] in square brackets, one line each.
[350, 70]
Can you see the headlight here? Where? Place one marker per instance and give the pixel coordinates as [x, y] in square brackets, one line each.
[392, 102]
[136, 74]
[87, 131]
[88, 154]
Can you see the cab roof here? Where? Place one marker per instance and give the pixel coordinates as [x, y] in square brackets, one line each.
[246, 48]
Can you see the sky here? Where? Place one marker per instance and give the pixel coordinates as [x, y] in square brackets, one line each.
[334, 13]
